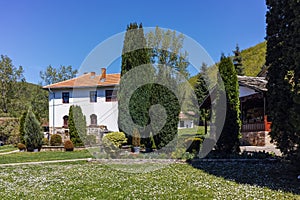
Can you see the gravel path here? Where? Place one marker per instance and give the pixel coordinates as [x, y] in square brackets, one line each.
[44, 162]
[15, 151]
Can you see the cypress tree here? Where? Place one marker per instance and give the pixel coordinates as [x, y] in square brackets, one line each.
[21, 127]
[228, 141]
[201, 91]
[77, 125]
[135, 54]
[237, 61]
[283, 76]
[33, 136]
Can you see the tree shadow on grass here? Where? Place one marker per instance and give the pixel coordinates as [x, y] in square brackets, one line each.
[274, 175]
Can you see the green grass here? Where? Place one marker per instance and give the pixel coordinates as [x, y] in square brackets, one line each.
[191, 131]
[7, 148]
[84, 180]
[42, 156]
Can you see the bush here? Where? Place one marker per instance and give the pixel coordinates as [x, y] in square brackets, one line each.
[21, 147]
[55, 140]
[136, 138]
[68, 145]
[112, 143]
[33, 135]
[45, 141]
[194, 145]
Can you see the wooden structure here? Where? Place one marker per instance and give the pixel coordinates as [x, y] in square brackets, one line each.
[255, 123]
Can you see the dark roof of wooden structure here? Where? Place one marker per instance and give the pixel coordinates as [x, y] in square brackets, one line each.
[256, 83]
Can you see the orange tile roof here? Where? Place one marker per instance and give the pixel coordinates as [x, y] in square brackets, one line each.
[87, 80]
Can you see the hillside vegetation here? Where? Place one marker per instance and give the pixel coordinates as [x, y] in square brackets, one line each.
[30, 95]
[254, 58]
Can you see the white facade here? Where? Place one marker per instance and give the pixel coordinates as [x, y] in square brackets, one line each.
[185, 123]
[106, 111]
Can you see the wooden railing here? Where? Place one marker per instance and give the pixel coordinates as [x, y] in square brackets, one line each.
[257, 126]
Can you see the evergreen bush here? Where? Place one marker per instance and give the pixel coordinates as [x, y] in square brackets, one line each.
[55, 140]
[136, 138]
[32, 130]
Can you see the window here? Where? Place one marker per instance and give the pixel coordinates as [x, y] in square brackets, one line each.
[181, 124]
[93, 119]
[66, 120]
[93, 96]
[110, 95]
[65, 97]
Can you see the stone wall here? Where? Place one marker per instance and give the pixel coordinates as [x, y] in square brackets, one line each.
[257, 138]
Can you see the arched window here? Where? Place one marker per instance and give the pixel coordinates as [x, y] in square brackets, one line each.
[66, 120]
[93, 119]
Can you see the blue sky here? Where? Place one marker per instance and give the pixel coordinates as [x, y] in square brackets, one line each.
[37, 33]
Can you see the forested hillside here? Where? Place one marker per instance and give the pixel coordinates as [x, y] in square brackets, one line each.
[254, 59]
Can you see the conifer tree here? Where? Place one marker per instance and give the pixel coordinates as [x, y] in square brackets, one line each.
[77, 126]
[228, 141]
[237, 61]
[135, 54]
[283, 75]
[33, 136]
[21, 127]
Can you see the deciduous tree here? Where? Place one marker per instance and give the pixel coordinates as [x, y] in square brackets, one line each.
[53, 75]
[9, 87]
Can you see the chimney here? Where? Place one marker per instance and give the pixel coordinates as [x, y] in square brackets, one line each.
[103, 74]
[92, 76]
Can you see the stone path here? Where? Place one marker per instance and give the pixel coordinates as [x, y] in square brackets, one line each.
[15, 151]
[44, 162]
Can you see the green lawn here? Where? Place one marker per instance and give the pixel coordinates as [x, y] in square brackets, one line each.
[191, 131]
[42, 156]
[7, 148]
[83, 180]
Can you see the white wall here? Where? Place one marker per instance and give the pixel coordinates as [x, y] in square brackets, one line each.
[188, 123]
[107, 112]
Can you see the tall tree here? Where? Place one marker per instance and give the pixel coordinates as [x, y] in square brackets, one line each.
[201, 92]
[32, 130]
[228, 141]
[9, 87]
[283, 60]
[53, 75]
[135, 54]
[77, 126]
[237, 61]
[171, 64]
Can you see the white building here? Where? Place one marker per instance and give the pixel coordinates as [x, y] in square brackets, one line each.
[95, 94]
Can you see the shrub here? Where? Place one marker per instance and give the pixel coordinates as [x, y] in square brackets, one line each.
[112, 143]
[194, 145]
[21, 146]
[116, 138]
[33, 135]
[136, 138]
[45, 141]
[55, 140]
[68, 145]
